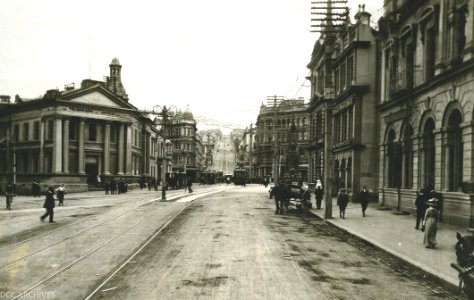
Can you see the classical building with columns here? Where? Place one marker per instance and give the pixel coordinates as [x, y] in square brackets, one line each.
[77, 136]
[427, 105]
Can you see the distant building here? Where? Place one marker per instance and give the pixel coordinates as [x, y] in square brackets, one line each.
[76, 137]
[187, 147]
[245, 155]
[281, 134]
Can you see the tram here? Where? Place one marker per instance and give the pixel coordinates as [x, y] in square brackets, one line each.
[240, 177]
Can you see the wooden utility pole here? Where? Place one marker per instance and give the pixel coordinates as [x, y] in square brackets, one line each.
[276, 153]
[328, 161]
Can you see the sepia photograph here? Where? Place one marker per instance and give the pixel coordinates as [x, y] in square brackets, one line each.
[254, 149]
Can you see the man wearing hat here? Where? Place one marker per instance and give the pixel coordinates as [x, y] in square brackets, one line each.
[49, 205]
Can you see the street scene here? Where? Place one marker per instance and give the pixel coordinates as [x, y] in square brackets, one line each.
[219, 242]
[290, 149]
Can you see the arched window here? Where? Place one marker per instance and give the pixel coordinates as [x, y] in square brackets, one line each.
[455, 149]
[408, 158]
[394, 161]
[428, 154]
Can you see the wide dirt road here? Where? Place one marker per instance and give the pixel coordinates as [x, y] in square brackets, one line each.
[231, 245]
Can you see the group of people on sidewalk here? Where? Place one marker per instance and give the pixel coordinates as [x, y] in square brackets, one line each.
[343, 200]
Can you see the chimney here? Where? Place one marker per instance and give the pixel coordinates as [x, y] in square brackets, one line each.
[51, 94]
[362, 17]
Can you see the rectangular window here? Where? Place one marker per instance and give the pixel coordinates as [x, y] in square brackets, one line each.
[430, 53]
[336, 81]
[50, 126]
[16, 133]
[72, 130]
[92, 132]
[350, 70]
[343, 76]
[113, 134]
[26, 131]
[36, 131]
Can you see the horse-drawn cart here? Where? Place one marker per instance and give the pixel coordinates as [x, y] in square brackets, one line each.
[300, 194]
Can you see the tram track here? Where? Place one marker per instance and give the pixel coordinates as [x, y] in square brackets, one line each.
[147, 202]
[143, 220]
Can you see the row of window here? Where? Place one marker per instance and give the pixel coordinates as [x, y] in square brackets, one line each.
[400, 175]
[411, 61]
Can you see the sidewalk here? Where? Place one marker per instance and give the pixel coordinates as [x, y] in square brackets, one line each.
[396, 234]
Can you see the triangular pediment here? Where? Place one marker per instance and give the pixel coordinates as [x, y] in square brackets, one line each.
[95, 98]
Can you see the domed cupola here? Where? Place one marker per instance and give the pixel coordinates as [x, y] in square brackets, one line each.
[114, 81]
[188, 115]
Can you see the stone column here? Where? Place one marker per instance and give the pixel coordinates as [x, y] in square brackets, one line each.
[147, 154]
[30, 161]
[382, 172]
[468, 159]
[128, 149]
[57, 146]
[416, 161]
[469, 47]
[121, 143]
[439, 159]
[66, 146]
[41, 150]
[107, 149]
[80, 148]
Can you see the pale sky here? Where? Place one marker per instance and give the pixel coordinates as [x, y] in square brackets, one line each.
[220, 57]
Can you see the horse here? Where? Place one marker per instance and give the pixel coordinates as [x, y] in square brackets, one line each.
[465, 263]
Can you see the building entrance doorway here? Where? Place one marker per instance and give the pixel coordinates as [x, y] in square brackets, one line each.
[92, 170]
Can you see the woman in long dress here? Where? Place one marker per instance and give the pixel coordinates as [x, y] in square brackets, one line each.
[430, 224]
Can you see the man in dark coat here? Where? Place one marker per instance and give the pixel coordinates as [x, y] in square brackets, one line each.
[364, 199]
[35, 189]
[9, 192]
[49, 205]
[421, 206]
[319, 193]
[342, 201]
[189, 184]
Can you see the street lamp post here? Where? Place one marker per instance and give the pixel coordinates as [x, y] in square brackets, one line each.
[164, 165]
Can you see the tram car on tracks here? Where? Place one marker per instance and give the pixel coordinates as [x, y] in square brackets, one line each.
[240, 177]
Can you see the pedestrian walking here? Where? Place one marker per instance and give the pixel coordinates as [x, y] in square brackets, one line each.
[421, 207]
[189, 184]
[342, 201]
[364, 199]
[35, 189]
[113, 186]
[430, 224]
[49, 205]
[60, 192]
[319, 193]
[107, 187]
[9, 192]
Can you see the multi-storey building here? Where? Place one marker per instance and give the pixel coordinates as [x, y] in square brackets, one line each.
[426, 105]
[77, 136]
[342, 108]
[182, 132]
[245, 156]
[281, 132]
